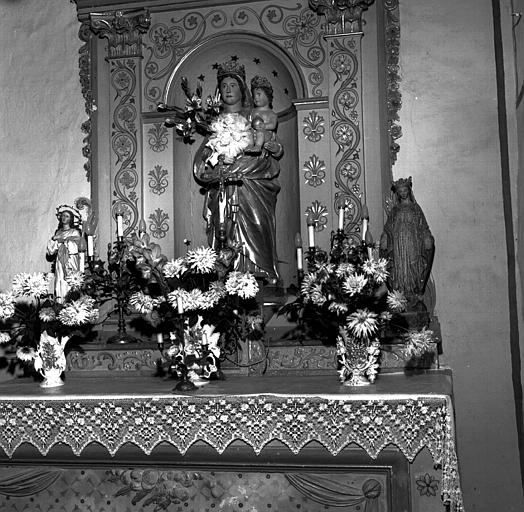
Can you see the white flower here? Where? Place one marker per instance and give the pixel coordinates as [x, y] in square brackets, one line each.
[216, 291]
[143, 303]
[396, 301]
[316, 295]
[75, 280]
[26, 354]
[47, 314]
[338, 307]
[7, 305]
[194, 300]
[232, 134]
[202, 259]
[242, 284]
[174, 268]
[4, 338]
[354, 284]
[31, 285]
[418, 342]
[381, 272]
[79, 312]
[362, 323]
[344, 270]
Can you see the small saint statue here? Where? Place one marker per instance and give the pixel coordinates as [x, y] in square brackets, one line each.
[409, 245]
[63, 248]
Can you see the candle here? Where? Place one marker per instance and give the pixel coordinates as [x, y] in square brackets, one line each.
[159, 338]
[221, 208]
[341, 211]
[180, 305]
[298, 245]
[365, 220]
[90, 246]
[82, 261]
[311, 235]
[119, 225]
[142, 227]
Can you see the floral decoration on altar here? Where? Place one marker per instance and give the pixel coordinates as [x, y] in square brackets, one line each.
[204, 309]
[38, 324]
[347, 300]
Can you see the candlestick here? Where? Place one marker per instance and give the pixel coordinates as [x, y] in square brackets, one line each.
[341, 212]
[160, 339]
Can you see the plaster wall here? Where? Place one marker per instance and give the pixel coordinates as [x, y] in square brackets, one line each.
[41, 107]
[451, 148]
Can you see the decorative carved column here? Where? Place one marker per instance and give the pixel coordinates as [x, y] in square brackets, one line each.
[343, 29]
[123, 31]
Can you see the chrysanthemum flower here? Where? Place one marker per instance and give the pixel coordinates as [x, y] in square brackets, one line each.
[47, 314]
[75, 280]
[381, 273]
[4, 338]
[344, 270]
[418, 342]
[174, 268]
[396, 301]
[338, 307]
[202, 259]
[354, 284]
[316, 295]
[142, 303]
[7, 305]
[362, 323]
[79, 312]
[242, 284]
[26, 354]
[31, 285]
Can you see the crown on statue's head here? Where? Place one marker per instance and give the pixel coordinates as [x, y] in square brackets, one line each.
[402, 182]
[261, 82]
[75, 214]
[231, 68]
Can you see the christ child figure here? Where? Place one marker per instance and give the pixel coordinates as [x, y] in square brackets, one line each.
[264, 120]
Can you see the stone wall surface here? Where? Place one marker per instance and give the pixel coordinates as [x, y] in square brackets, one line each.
[42, 109]
[451, 148]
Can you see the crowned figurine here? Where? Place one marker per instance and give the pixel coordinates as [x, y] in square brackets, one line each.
[409, 245]
[63, 248]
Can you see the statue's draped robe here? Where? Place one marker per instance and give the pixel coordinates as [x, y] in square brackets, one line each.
[408, 244]
[256, 196]
[67, 258]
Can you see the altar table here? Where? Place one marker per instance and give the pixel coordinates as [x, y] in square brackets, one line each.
[408, 412]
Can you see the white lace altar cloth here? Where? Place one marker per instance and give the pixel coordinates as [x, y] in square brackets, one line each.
[410, 422]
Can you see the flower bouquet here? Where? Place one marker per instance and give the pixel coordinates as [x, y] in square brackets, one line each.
[201, 306]
[348, 302]
[38, 325]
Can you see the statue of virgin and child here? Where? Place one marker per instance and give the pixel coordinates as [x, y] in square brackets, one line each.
[237, 164]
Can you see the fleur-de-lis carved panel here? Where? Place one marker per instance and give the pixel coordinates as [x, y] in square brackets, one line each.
[158, 181]
[158, 225]
[314, 171]
[314, 126]
[318, 213]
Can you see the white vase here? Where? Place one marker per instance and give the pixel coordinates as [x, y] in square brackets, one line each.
[50, 360]
[52, 378]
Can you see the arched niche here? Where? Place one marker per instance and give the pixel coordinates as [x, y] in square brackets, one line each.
[259, 57]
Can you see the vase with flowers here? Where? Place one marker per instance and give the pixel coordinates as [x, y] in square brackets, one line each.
[37, 325]
[195, 303]
[346, 300]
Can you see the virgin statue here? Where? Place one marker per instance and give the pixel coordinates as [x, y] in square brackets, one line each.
[241, 187]
[62, 249]
[408, 244]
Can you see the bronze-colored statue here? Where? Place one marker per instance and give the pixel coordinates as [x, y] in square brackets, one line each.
[241, 187]
[408, 244]
[63, 248]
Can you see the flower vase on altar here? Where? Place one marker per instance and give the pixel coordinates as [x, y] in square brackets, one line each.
[50, 360]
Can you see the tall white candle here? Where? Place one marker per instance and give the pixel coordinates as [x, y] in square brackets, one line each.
[90, 245]
[222, 209]
[180, 305]
[119, 225]
[341, 211]
[311, 235]
[365, 220]
[159, 338]
[300, 264]
[82, 261]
